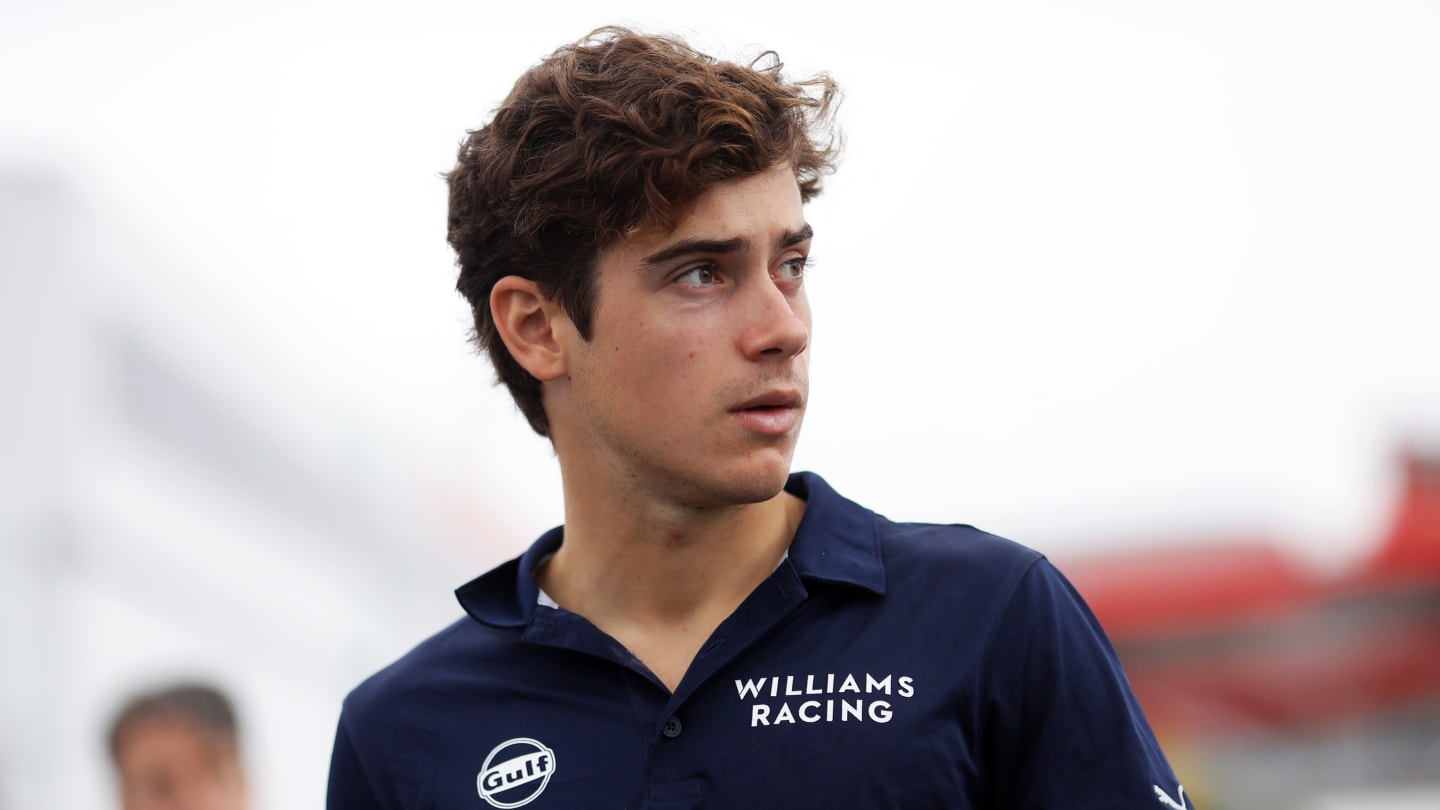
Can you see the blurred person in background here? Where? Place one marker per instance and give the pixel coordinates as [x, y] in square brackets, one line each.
[709, 629]
[178, 748]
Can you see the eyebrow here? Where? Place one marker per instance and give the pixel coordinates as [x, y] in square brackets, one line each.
[690, 247]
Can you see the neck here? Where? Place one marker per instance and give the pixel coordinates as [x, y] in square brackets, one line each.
[660, 576]
[654, 559]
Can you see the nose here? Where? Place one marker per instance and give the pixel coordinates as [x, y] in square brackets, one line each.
[778, 326]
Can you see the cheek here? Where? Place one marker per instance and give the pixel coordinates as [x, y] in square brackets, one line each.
[675, 350]
[658, 362]
[675, 373]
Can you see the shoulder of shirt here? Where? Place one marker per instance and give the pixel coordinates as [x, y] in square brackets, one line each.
[843, 541]
[957, 541]
[975, 566]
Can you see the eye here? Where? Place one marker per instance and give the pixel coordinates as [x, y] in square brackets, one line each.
[702, 275]
[793, 269]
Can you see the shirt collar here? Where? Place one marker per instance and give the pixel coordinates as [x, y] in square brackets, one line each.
[837, 542]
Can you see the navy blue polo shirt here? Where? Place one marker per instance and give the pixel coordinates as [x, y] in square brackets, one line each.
[882, 665]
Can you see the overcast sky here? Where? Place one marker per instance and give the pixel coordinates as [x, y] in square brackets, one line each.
[1090, 274]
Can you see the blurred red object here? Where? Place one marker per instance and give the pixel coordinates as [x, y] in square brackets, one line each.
[1232, 636]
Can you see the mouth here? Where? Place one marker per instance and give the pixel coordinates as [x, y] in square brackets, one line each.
[771, 401]
[774, 413]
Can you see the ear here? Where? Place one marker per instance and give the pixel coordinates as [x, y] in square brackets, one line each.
[528, 323]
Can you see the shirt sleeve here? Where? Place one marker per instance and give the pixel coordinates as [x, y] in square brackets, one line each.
[1060, 724]
[349, 786]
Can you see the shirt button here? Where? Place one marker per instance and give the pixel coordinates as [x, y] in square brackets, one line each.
[672, 727]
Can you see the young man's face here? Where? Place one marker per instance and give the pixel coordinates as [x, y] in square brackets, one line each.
[694, 381]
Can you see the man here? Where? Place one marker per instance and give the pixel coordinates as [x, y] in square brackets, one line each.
[178, 749]
[707, 630]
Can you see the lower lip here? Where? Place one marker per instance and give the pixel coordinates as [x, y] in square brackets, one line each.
[769, 421]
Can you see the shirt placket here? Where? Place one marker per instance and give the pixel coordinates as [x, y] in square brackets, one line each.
[678, 758]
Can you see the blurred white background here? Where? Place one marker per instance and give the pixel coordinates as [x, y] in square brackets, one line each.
[1090, 275]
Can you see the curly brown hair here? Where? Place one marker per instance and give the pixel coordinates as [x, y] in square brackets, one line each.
[612, 136]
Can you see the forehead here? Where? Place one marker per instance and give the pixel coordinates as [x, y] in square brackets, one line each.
[753, 207]
[758, 199]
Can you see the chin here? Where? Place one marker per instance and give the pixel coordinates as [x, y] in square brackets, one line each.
[747, 484]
